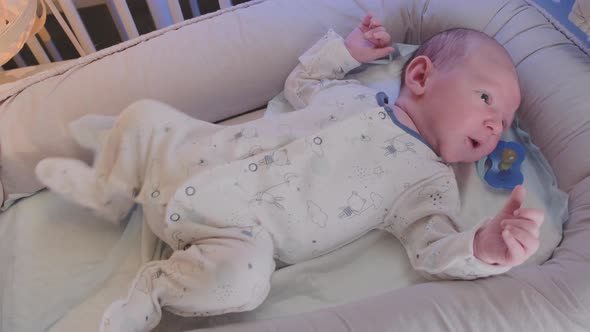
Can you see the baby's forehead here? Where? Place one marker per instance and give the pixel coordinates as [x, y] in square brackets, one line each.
[490, 73]
[490, 62]
[499, 75]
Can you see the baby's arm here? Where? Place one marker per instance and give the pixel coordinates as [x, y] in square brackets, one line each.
[328, 61]
[425, 221]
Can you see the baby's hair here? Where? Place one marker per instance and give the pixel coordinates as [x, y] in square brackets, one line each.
[446, 49]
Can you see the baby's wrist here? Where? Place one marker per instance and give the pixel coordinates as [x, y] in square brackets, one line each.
[476, 245]
[479, 248]
[350, 51]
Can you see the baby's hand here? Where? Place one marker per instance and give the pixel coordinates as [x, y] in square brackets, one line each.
[369, 41]
[512, 236]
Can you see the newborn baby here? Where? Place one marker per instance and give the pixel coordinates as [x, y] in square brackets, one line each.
[231, 199]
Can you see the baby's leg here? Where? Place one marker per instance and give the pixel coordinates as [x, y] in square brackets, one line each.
[102, 188]
[144, 132]
[212, 276]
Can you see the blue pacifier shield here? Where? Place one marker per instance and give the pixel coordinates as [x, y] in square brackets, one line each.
[504, 171]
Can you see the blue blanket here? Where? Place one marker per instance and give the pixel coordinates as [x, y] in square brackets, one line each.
[558, 13]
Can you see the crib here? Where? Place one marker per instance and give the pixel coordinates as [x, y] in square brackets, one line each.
[65, 21]
[66, 266]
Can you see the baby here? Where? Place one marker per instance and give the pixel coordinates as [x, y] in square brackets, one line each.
[231, 199]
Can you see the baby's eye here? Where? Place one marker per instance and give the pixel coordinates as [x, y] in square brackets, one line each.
[486, 98]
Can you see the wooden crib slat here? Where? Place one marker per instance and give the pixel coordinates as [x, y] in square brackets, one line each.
[20, 62]
[160, 13]
[225, 4]
[37, 50]
[123, 19]
[195, 10]
[65, 27]
[77, 25]
[175, 11]
[49, 45]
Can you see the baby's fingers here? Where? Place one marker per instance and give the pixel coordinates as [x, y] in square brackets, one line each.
[366, 23]
[526, 239]
[535, 215]
[374, 23]
[529, 243]
[371, 33]
[524, 224]
[378, 37]
[382, 38]
[514, 251]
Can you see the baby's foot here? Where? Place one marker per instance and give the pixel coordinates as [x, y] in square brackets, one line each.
[70, 178]
[119, 317]
[116, 319]
[90, 130]
[76, 182]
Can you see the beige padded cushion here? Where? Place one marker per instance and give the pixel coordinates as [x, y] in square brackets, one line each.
[221, 65]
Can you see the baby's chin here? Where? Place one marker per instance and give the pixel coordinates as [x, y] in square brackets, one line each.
[459, 156]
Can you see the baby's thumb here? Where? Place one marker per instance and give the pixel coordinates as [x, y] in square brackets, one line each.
[515, 201]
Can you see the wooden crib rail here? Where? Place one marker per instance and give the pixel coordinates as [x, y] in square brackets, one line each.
[163, 14]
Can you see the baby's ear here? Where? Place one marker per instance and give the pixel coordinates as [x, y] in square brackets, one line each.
[417, 73]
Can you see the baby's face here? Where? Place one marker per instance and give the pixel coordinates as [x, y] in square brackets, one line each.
[471, 105]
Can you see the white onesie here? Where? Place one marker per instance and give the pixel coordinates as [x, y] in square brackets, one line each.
[231, 199]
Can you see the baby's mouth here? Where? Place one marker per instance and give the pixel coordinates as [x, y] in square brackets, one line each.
[474, 143]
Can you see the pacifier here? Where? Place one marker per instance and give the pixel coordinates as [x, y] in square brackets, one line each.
[501, 168]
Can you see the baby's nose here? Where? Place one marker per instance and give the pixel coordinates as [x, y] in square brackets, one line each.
[494, 127]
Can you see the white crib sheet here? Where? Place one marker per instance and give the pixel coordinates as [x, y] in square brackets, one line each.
[53, 255]
[59, 279]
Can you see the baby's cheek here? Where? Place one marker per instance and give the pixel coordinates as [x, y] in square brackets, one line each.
[490, 147]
